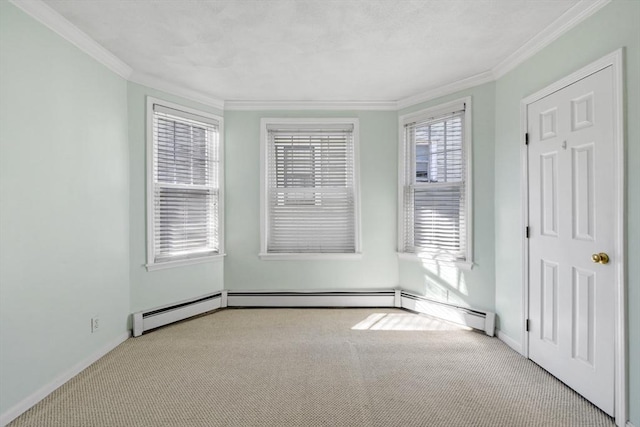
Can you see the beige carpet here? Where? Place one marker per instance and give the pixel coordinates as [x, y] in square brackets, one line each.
[313, 367]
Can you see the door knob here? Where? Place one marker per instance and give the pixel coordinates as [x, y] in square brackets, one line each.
[601, 258]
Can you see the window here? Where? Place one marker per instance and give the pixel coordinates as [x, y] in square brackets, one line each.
[184, 196]
[309, 188]
[436, 185]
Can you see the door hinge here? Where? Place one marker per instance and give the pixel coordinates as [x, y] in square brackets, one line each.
[526, 325]
[526, 138]
[526, 231]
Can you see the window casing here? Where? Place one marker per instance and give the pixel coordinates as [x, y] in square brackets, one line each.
[435, 183]
[184, 185]
[309, 197]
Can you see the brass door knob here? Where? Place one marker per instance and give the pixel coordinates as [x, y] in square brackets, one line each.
[601, 258]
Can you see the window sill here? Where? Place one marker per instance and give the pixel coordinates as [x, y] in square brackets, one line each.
[309, 257]
[461, 265]
[183, 262]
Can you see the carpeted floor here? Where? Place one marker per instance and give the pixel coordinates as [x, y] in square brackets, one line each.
[313, 367]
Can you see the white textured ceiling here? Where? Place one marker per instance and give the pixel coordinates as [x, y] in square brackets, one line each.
[320, 50]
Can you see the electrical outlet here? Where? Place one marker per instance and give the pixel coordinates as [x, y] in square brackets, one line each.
[95, 324]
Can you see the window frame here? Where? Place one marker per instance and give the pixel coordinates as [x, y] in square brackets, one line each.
[467, 147]
[151, 264]
[267, 122]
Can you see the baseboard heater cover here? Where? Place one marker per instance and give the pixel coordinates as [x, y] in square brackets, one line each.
[476, 319]
[144, 321]
[151, 319]
[382, 298]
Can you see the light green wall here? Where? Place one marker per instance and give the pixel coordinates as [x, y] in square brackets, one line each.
[151, 289]
[474, 288]
[616, 25]
[64, 206]
[378, 190]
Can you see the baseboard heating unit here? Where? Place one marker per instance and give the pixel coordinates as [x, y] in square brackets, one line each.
[312, 299]
[476, 319]
[146, 320]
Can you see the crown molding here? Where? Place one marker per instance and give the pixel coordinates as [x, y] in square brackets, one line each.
[310, 105]
[51, 19]
[173, 89]
[60, 25]
[447, 89]
[572, 17]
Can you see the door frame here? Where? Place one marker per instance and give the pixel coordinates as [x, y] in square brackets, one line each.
[614, 60]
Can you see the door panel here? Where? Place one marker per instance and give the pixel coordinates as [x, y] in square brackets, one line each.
[571, 298]
[549, 309]
[583, 308]
[549, 194]
[582, 190]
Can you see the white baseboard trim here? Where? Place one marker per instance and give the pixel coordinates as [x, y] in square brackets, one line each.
[365, 298]
[515, 345]
[313, 298]
[160, 316]
[466, 316]
[28, 402]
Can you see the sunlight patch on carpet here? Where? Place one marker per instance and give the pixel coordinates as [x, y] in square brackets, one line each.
[405, 322]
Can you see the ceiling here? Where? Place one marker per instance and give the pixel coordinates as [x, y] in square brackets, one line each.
[311, 50]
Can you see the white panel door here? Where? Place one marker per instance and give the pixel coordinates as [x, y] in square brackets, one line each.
[571, 218]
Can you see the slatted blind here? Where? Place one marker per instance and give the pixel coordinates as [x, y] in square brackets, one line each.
[185, 185]
[311, 193]
[434, 190]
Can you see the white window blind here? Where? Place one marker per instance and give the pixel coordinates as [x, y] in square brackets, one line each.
[435, 187]
[311, 199]
[185, 193]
